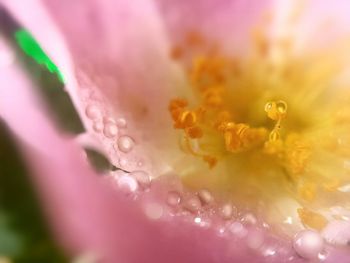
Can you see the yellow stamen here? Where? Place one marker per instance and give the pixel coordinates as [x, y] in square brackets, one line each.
[239, 117]
[276, 111]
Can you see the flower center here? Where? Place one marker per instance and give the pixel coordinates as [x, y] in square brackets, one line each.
[266, 129]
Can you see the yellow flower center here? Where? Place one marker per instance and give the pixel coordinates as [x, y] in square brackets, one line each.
[266, 128]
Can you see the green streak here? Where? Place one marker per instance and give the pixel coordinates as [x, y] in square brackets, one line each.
[29, 45]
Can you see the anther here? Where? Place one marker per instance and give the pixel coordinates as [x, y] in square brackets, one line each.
[276, 111]
[188, 118]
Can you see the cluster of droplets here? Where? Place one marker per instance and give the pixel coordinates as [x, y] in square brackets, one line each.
[113, 132]
[109, 127]
[133, 182]
[203, 210]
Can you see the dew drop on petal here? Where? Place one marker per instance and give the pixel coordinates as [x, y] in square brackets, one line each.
[127, 183]
[221, 231]
[97, 126]
[308, 244]
[255, 239]
[226, 211]
[238, 229]
[153, 210]
[193, 204]
[249, 219]
[205, 196]
[202, 222]
[197, 220]
[121, 123]
[107, 119]
[174, 198]
[337, 232]
[125, 143]
[123, 162]
[142, 178]
[110, 130]
[268, 252]
[322, 256]
[93, 112]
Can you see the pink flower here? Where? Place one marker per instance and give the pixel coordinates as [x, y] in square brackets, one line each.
[114, 57]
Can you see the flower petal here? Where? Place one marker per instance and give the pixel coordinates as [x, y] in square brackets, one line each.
[105, 57]
[87, 214]
[322, 23]
[227, 22]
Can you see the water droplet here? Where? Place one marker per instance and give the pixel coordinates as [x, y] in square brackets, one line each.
[205, 196]
[288, 220]
[142, 178]
[268, 252]
[226, 211]
[97, 126]
[308, 244]
[255, 239]
[127, 183]
[153, 211]
[197, 220]
[107, 119]
[125, 143]
[174, 198]
[337, 232]
[110, 130]
[121, 123]
[192, 204]
[202, 222]
[291, 258]
[93, 112]
[238, 229]
[123, 162]
[322, 256]
[249, 219]
[221, 231]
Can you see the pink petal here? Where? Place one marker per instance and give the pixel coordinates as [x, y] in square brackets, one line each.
[105, 60]
[87, 214]
[114, 224]
[227, 22]
[322, 23]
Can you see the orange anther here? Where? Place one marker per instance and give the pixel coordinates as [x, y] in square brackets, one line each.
[188, 119]
[194, 132]
[177, 103]
[212, 161]
[175, 114]
[176, 52]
